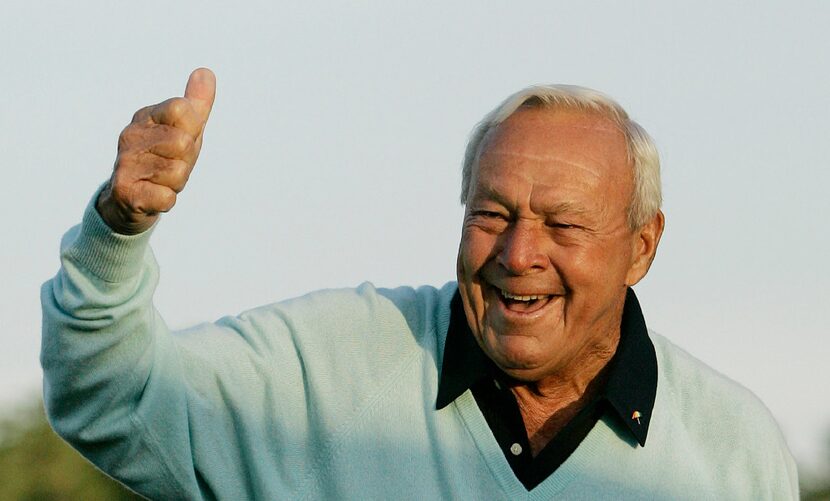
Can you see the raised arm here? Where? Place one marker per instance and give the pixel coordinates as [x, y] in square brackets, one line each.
[114, 383]
[263, 405]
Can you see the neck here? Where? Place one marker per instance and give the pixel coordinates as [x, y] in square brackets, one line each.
[551, 403]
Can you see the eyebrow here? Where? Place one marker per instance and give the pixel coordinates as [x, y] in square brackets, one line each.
[567, 207]
[488, 192]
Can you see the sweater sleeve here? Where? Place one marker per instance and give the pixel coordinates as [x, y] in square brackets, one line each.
[252, 406]
[109, 364]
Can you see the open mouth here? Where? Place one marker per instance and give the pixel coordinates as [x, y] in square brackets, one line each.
[519, 303]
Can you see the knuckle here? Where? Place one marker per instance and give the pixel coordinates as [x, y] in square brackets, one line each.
[141, 114]
[122, 192]
[177, 107]
[137, 137]
[128, 136]
[125, 136]
[178, 174]
[119, 167]
[183, 142]
[182, 170]
[177, 168]
[124, 163]
[123, 141]
[167, 200]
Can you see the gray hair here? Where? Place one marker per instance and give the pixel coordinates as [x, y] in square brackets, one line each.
[642, 153]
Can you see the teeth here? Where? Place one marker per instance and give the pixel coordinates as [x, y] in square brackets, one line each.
[520, 298]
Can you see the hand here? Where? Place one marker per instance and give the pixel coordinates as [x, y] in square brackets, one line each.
[156, 153]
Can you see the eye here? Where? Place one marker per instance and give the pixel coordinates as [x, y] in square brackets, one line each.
[563, 226]
[490, 221]
[490, 214]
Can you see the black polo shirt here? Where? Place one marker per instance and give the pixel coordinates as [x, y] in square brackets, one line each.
[627, 396]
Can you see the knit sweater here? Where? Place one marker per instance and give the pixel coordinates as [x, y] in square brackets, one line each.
[332, 396]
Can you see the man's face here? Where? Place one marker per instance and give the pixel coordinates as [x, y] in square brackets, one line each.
[546, 251]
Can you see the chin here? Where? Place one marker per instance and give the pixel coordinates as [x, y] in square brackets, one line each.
[521, 356]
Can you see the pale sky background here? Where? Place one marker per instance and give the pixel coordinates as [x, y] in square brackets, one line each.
[333, 152]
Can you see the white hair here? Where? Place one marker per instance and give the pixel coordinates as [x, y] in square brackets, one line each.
[642, 153]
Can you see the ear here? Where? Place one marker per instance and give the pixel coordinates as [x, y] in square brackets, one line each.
[644, 248]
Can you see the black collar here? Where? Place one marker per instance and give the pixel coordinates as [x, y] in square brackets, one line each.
[632, 379]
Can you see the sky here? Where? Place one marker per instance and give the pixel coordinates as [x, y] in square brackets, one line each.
[333, 155]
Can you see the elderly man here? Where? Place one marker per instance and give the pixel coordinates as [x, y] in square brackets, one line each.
[533, 377]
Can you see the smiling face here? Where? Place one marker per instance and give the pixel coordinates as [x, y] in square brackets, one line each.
[546, 252]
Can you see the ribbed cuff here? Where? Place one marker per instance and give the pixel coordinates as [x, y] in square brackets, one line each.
[110, 256]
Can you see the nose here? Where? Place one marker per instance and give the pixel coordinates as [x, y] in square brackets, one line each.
[522, 250]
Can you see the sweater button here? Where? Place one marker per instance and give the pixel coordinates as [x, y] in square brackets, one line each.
[516, 449]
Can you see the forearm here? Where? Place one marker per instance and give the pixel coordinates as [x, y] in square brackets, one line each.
[108, 361]
[96, 310]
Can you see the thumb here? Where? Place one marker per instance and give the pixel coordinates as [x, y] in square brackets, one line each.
[201, 90]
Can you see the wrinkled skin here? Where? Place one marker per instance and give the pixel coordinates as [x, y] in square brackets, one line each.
[156, 154]
[547, 216]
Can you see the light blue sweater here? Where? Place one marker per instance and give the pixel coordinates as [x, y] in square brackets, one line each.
[332, 396]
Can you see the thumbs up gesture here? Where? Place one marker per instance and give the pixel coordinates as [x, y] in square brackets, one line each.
[156, 153]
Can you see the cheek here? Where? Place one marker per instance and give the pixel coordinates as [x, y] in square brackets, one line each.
[576, 266]
[592, 269]
[596, 278]
[474, 251]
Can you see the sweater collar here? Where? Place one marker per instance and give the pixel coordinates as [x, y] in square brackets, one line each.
[632, 378]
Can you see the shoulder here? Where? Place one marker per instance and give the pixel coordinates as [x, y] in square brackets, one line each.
[699, 392]
[365, 336]
[723, 425]
[418, 307]
[691, 381]
[341, 321]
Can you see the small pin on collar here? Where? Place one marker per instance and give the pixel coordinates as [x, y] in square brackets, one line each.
[636, 415]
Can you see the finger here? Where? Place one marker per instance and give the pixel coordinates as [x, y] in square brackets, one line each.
[201, 91]
[163, 140]
[142, 115]
[150, 198]
[170, 142]
[171, 173]
[178, 112]
[197, 147]
[143, 166]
